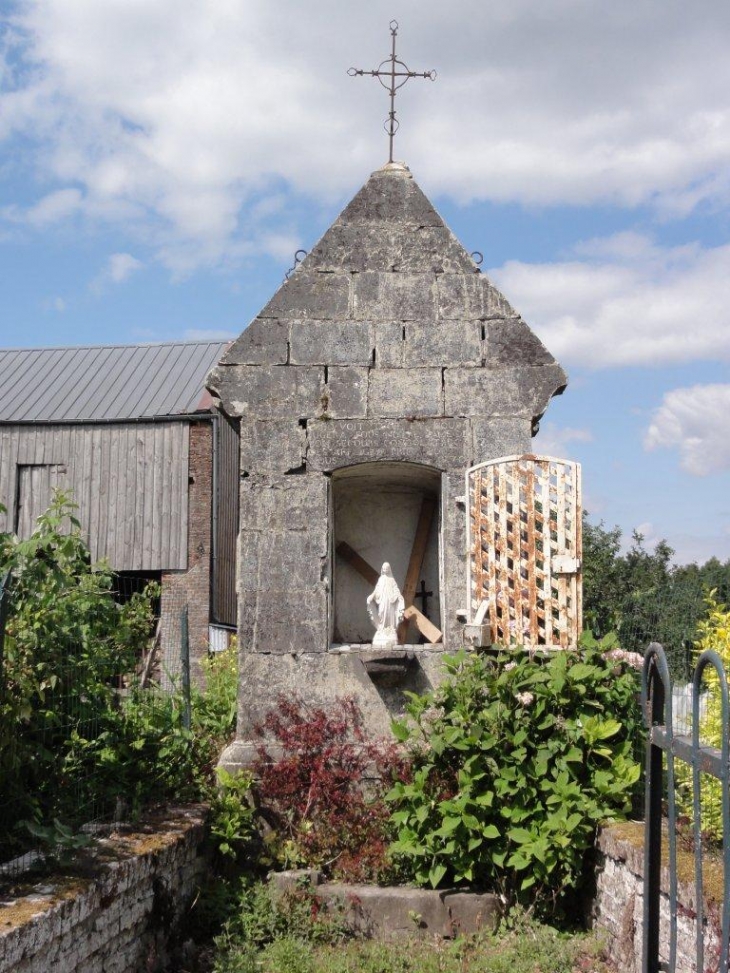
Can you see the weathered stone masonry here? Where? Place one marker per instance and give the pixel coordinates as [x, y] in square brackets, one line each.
[386, 347]
[619, 903]
[120, 921]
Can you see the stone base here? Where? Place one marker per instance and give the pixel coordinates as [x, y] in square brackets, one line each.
[238, 756]
[324, 677]
[396, 912]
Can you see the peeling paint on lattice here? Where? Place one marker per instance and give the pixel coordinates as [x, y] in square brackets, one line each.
[524, 537]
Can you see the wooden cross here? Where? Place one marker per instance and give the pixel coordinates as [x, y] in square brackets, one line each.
[392, 72]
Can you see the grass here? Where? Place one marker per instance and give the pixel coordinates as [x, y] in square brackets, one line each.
[525, 947]
[543, 951]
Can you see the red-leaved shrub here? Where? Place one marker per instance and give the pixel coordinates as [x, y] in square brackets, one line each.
[324, 793]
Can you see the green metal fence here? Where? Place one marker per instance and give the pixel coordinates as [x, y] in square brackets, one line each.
[666, 747]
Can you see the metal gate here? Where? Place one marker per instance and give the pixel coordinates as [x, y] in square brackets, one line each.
[524, 550]
[664, 745]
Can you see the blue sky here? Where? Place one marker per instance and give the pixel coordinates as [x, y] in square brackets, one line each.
[158, 171]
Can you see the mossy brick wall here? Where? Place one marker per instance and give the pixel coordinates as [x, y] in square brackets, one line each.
[192, 587]
[619, 903]
[120, 921]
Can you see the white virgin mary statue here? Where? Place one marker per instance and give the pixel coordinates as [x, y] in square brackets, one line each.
[386, 607]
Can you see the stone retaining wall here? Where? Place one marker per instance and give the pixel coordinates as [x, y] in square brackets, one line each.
[619, 903]
[122, 918]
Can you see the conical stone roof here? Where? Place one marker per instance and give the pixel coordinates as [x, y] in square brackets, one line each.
[387, 316]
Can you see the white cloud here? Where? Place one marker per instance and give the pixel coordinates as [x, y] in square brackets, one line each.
[698, 548]
[118, 268]
[53, 208]
[695, 421]
[121, 265]
[54, 304]
[624, 300]
[553, 440]
[183, 127]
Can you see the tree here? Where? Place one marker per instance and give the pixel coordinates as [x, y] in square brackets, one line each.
[642, 596]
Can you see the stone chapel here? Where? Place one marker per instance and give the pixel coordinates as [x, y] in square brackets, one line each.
[380, 371]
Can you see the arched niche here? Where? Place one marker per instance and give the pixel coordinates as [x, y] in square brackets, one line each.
[376, 511]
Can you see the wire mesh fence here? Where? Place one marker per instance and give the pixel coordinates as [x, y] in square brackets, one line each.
[81, 714]
[669, 614]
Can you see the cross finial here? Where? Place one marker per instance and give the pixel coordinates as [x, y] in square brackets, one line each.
[396, 69]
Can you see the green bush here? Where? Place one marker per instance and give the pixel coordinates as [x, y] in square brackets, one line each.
[516, 760]
[66, 643]
[73, 747]
[264, 917]
[714, 633]
[233, 819]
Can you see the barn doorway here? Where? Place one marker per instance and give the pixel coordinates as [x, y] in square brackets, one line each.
[386, 512]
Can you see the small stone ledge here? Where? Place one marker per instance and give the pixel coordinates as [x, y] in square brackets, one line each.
[397, 911]
[367, 653]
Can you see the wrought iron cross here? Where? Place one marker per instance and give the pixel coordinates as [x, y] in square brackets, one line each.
[425, 597]
[396, 69]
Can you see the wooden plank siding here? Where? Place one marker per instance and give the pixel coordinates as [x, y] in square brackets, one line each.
[224, 608]
[130, 481]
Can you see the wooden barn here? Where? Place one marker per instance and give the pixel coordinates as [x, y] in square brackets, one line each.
[132, 433]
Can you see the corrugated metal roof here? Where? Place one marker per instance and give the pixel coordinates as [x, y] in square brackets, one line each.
[105, 382]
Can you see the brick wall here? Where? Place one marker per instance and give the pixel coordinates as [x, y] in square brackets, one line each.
[619, 903]
[192, 587]
[121, 921]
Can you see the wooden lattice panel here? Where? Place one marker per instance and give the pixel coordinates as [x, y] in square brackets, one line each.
[524, 529]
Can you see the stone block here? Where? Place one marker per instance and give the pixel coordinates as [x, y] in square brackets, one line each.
[264, 342]
[443, 343]
[355, 248]
[471, 911]
[495, 437]
[396, 912]
[346, 393]
[389, 344]
[324, 676]
[453, 489]
[476, 636]
[390, 196]
[268, 391]
[310, 295]
[390, 247]
[331, 343]
[440, 443]
[461, 297]
[290, 619]
[508, 341]
[286, 503]
[434, 250]
[403, 297]
[396, 392]
[501, 391]
[293, 879]
[494, 302]
[272, 447]
[277, 559]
